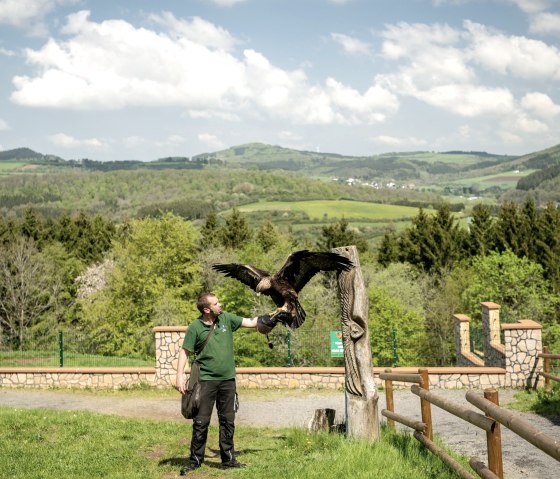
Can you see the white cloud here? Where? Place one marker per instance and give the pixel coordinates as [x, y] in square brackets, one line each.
[351, 45]
[540, 105]
[210, 140]
[4, 125]
[398, 141]
[6, 52]
[436, 65]
[110, 65]
[513, 55]
[29, 14]
[197, 30]
[532, 6]
[67, 141]
[545, 23]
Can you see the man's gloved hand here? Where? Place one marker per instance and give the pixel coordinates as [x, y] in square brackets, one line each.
[267, 322]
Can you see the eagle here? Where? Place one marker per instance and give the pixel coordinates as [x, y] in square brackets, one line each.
[283, 286]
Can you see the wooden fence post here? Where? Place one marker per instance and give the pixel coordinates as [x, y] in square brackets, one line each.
[425, 405]
[494, 439]
[546, 367]
[389, 399]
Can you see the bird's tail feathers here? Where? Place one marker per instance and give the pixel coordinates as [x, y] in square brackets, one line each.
[298, 315]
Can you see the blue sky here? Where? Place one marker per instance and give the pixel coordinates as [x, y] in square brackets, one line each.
[122, 80]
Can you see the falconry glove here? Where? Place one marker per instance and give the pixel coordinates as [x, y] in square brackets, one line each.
[267, 322]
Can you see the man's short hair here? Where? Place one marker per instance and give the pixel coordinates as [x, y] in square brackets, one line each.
[203, 301]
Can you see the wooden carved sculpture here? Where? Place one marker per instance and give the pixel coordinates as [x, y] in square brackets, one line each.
[362, 413]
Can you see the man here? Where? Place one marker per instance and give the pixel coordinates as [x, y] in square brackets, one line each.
[217, 374]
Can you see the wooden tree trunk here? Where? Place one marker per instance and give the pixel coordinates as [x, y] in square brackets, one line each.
[361, 392]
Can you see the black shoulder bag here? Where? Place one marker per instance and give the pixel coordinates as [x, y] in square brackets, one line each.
[190, 401]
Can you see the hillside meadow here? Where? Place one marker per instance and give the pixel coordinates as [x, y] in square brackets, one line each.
[322, 209]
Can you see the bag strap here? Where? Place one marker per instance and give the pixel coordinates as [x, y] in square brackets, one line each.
[207, 339]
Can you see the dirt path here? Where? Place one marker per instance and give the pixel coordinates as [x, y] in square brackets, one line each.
[295, 408]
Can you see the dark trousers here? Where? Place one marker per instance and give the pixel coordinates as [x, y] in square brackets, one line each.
[223, 394]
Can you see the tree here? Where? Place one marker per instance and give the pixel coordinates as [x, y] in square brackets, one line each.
[340, 234]
[210, 231]
[388, 251]
[236, 232]
[267, 236]
[25, 283]
[395, 303]
[481, 231]
[385, 315]
[155, 281]
[548, 244]
[516, 284]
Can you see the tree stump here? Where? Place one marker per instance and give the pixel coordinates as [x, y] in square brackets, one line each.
[361, 392]
[322, 420]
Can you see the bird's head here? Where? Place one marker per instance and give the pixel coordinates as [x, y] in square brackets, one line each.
[264, 284]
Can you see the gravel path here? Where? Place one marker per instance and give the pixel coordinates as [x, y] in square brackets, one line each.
[295, 408]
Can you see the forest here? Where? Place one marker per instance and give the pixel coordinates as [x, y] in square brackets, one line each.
[114, 280]
[106, 252]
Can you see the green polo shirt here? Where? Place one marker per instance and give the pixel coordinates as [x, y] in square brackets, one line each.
[216, 360]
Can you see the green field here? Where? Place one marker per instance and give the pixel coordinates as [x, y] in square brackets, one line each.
[9, 166]
[321, 210]
[505, 180]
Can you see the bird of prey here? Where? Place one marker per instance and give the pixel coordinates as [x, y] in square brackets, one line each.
[283, 286]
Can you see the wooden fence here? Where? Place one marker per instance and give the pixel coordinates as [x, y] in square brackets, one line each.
[546, 372]
[490, 421]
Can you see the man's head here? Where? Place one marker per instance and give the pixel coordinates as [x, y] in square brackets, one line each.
[208, 305]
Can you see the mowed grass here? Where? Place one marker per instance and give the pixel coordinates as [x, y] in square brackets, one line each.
[43, 444]
[321, 209]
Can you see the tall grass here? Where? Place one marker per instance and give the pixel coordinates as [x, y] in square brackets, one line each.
[42, 443]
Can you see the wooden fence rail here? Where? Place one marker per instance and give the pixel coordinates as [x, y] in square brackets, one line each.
[547, 356]
[495, 416]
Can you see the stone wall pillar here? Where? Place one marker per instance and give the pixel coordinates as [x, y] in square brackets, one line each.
[169, 340]
[465, 357]
[523, 344]
[494, 351]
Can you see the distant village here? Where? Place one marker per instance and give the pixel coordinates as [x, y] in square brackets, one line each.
[391, 184]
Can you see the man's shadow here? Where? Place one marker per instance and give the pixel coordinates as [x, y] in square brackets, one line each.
[211, 459]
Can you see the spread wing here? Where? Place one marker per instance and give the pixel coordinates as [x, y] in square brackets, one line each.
[245, 273]
[301, 266]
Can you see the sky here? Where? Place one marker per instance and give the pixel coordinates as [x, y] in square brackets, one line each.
[142, 80]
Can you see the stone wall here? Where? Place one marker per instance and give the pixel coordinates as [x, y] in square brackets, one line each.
[95, 378]
[523, 344]
[519, 356]
[520, 365]
[494, 351]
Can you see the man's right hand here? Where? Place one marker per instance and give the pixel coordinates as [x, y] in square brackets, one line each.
[181, 383]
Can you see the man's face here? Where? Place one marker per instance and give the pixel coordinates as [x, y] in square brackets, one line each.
[214, 306]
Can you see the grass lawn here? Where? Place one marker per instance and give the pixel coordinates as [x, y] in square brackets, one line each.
[41, 443]
[317, 210]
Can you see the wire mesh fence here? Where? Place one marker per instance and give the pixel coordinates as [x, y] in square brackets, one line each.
[67, 349]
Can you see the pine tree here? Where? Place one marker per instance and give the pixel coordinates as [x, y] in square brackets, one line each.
[482, 232]
[236, 232]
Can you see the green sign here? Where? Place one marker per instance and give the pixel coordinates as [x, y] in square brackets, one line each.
[337, 348]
